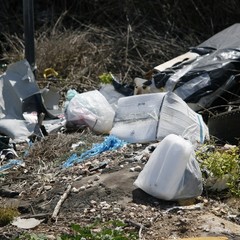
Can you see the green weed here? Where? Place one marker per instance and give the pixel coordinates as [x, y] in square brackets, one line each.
[105, 78]
[112, 230]
[222, 164]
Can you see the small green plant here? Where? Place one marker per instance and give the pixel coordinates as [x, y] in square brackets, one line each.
[105, 78]
[7, 214]
[112, 230]
[223, 164]
[32, 236]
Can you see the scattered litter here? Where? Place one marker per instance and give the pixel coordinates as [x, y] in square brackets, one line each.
[71, 93]
[75, 145]
[8, 153]
[10, 164]
[198, 206]
[99, 166]
[50, 74]
[20, 98]
[110, 143]
[206, 74]
[26, 223]
[136, 169]
[69, 96]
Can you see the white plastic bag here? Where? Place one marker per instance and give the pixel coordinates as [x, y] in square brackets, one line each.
[92, 109]
[171, 172]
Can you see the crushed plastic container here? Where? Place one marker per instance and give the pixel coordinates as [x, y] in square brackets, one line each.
[163, 176]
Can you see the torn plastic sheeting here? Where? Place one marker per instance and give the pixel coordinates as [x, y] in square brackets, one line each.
[205, 76]
[19, 94]
[16, 84]
[205, 81]
[51, 97]
[227, 38]
[10, 164]
[110, 143]
[112, 96]
[16, 129]
[176, 117]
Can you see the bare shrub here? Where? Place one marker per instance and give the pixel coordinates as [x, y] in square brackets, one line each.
[80, 56]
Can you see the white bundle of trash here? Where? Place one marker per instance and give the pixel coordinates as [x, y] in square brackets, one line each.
[151, 117]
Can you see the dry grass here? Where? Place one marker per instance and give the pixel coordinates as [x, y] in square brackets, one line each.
[83, 39]
[58, 147]
[80, 56]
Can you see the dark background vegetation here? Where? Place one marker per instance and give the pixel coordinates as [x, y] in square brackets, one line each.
[203, 18]
[126, 37]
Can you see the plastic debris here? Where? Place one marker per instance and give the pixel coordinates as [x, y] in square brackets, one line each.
[110, 143]
[172, 171]
[150, 117]
[197, 206]
[50, 73]
[8, 153]
[75, 145]
[26, 223]
[204, 77]
[10, 164]
[70, 94]
[84, 110]
[23, 98]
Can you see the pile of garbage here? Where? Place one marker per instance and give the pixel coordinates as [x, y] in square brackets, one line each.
[168, 109]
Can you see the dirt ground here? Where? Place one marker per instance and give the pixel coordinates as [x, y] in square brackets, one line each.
[102, 188]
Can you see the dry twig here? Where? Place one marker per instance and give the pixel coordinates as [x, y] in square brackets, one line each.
[60, 202]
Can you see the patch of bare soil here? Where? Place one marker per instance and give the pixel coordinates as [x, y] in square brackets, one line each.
[102, 188]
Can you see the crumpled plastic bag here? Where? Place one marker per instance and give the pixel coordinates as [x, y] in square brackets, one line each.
[90, 109]
[172, 172]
